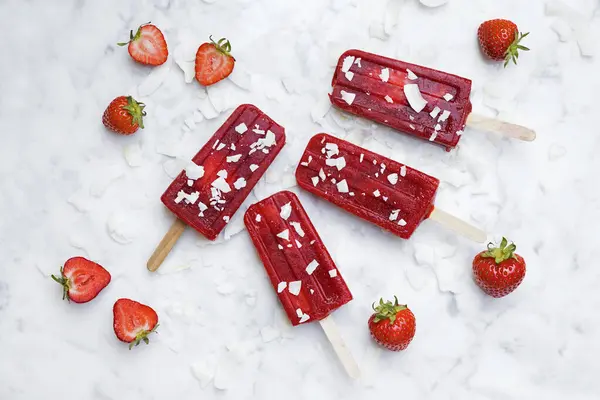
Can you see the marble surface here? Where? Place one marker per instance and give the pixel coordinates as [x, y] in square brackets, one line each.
[70, 187]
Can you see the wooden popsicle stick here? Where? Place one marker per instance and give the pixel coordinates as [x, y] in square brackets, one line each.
[458, 225]
[500, 127]
[166, 244]
[342, 351]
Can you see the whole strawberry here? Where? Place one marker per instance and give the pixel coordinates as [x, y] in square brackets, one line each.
[392, 325]
[148, 46]
[82, 279]
[214, 61]
[133, 321]
[500, 39]
[499, 270]
[124, 115]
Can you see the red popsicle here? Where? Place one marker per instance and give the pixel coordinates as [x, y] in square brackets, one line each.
[373, 187]
[219, 178]
[420, 101]
[302, 272]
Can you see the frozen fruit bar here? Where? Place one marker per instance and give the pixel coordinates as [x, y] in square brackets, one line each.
[380, 190]
[301, 270]
[420, 101]
[217, 181]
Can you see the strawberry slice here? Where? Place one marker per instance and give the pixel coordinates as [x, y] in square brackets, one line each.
[213, 62]
[82, 279]
[148, 46]
[133, 321]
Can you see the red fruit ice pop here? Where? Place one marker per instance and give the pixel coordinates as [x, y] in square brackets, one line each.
[208, 192]
[373, 187]
[423, 102]
[299, 266]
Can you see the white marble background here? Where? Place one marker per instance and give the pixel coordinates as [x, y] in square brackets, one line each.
[69, 187]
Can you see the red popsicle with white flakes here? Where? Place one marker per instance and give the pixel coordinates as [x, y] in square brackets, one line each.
[373, 187]
[208, 192]
[420, 101]
[301, 270]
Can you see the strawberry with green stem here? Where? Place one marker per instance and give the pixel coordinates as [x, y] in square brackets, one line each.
[392, 325]
[82, 279]
[500, 39]
[498, 271]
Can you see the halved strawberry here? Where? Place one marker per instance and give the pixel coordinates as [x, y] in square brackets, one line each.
[133, 321]
[148, 46]
[82, 279]
[213, 61]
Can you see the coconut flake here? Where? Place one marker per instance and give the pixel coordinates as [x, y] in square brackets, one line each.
[304, 318]
[286, 210]
[221, 184]
[333, 273]
[403, 170]
[433, 136]
[322, 175]
[411, 75]
[438, 127]
[221, 146]
[299, 312]
[444, 116]
[294, 287]
[448, 97]
[241, 128]
[377, 193]
[412, 127]
[226, 218]
[389, 99]
[394, 215]
[385, 74]
[415, 99]
[298, 228]
[459, 133]
[347, 64]
[281, 287]
[240, 183]
[342, 186]
[234, 158]
[203, 207]
[402, 222]
[193, 171]
[298, 244]
[348, 97]
[280, 247]
[362, 156]
[315, 180]
[434, 113]
[258, 218]
[310, 268]
[253, 167]
[349, 75]
[285, 234]
[393, 178]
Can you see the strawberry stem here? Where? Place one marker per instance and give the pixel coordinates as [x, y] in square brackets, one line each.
[142, 336]
[223, 45]
[512, 53]
[133, 38]
[64, 282]
[387, 310]
[136, 110]
[500, 253]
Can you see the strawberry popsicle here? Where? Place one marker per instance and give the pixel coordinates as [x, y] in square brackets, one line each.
[373, 187]
[420, 101]
[302, 272]
[208, 192]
